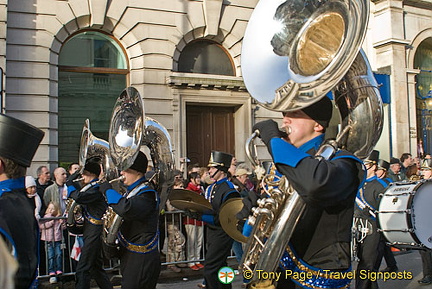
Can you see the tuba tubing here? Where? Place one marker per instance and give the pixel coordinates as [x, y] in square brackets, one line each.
[262, 253]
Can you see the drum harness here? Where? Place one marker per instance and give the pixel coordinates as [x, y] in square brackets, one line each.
[363, 227]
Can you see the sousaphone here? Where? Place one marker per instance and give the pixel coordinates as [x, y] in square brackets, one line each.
[295, 52]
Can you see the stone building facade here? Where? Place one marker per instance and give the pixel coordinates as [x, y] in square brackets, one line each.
[153, 36]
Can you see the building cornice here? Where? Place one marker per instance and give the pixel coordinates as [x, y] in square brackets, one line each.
[391, 41]
[206, 81]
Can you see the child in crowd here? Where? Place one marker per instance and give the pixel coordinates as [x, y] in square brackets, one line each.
[51, 233]
[30, 185]
[176, 239]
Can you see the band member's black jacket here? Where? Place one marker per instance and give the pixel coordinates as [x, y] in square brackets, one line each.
[138, 234]
[90, 264]
[328, 187]
[367, 203]
[218, 243]
[19, 228]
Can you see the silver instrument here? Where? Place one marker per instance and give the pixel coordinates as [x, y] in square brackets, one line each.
[90, 146]
[129, 130]
[294, 52]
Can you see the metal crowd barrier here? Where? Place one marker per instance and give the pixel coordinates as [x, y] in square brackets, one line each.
[168, 218]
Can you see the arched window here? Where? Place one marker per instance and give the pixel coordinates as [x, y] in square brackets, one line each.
[205, 57]
[423, 61]
[92, 74]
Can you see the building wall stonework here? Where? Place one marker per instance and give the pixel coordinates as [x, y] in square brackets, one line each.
[153, 35]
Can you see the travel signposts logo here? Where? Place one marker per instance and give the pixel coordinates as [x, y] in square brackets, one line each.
[226, 275]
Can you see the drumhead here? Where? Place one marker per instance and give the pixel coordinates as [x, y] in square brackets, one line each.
[421, 213]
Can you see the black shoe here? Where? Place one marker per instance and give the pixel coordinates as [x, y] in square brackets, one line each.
[390, 269]
[426, 280]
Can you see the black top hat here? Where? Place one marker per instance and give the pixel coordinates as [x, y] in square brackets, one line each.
[140, 164]
[373, 157]
[383, 165]
[18, 140]
[92, 165]
[267, 166]
[394, 161]
[426, 164]
[320, 111]
[220, 160]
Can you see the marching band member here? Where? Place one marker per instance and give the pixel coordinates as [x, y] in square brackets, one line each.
[94, 206]
[138, 234]
[365, 223]
[218, 243]
[18, 226]
[321, 239]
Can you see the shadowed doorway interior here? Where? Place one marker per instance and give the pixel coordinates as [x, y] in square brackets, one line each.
[209, 128]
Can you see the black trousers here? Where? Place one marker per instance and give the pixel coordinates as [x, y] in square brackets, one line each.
[426, 257]
[218, 249]
[139, 270]
[367, 253]
[90, 264]
[384, 251]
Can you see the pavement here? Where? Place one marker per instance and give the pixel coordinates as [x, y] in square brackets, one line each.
[166, 278]
[409, 264]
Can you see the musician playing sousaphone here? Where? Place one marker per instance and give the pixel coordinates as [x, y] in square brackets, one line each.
[138, 235]
[92, 201]
[321, 239]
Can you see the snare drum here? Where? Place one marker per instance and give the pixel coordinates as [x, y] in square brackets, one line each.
[405, 214]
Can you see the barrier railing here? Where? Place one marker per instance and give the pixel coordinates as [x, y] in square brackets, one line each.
[173, 246]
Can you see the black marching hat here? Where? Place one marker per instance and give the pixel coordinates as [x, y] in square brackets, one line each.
[320, 111]
[372, 158]
[140, 164]
[383, 165]
[93, 166]
[18, 140]
[220, 160]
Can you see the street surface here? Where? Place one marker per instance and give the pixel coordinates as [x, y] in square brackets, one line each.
[409, 264]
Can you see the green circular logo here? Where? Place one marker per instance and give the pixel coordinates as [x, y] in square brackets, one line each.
[226, 275]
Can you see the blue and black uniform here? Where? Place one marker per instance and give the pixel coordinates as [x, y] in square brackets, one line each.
[218, 243]
[365, 223]
[138, 235]
[19, 228]
[321, 239]
[90, 264]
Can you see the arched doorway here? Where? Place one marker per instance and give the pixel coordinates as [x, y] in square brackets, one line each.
[209, 126]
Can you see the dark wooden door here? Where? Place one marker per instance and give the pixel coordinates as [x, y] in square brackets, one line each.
[209, 128]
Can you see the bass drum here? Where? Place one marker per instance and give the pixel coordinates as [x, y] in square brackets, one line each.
[405, 214]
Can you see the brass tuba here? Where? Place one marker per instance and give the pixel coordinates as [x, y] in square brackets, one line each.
[90, 146]
[129, 129]
[294, 52]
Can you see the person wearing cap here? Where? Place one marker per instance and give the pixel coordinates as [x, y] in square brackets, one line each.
[322, 236]
[30, 185]
[395, 171]
[218, 242]
[382, 169]
[18, 226]
[384, 250]
[92, 201]
[365, 222]
[139, 234]
[426, 254]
